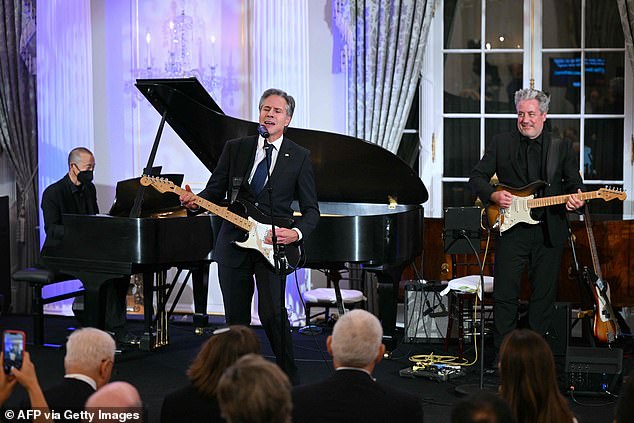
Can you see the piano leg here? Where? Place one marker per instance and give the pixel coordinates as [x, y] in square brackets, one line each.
[148, 339]
[94, 296]
[200, 284]
[387, 290]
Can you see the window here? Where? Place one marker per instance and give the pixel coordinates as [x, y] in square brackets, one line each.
[573, 58]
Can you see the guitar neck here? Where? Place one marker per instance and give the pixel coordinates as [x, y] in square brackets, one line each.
[219, 211]
[593, 245]
[560, 199]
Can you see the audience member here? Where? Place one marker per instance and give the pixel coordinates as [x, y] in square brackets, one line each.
[26, 377]
[198, 400]
[482, 407]
[116, 401]
[254, 390]
[351, 394]
[528, 380]
[625, 406]
[88, 366]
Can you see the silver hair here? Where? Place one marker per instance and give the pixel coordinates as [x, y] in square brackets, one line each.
[356, 338]
[532, 94]
[75, 155]
[290, 101]
[86, 348]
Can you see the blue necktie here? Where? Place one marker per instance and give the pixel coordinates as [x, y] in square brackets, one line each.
[261, 172]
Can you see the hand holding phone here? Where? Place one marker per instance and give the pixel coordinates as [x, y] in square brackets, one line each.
[13, 343]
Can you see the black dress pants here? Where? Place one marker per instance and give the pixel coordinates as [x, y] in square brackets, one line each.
[516, 249]
[237, 289]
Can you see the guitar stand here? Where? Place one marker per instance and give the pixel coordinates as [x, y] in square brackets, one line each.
[586, 316]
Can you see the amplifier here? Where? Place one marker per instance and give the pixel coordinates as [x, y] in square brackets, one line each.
[426, 312]
[593, 371]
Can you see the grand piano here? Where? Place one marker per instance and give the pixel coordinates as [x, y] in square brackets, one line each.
[370, 200]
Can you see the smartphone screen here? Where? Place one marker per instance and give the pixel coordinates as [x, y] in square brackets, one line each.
[13, 348]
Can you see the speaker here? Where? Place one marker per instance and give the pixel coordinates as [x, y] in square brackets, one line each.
[559, 332]
[593, 371]
[426, 312]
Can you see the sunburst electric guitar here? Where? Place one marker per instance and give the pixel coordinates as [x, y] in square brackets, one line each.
[502, 219]
[253, 223]
[606, 326]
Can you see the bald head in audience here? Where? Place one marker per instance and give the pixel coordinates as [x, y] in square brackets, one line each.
[120, 395]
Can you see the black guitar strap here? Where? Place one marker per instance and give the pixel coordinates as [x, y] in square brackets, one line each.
[235, 188]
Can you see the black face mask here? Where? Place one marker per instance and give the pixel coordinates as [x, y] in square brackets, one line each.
[85, 176]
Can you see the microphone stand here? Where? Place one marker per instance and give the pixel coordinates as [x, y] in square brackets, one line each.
[279, 260]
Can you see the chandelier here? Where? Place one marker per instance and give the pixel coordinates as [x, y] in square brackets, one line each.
[189, 54]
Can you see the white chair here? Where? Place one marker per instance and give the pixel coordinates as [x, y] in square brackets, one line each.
[332, 296]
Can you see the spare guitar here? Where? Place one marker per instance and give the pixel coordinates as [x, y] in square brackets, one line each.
[502, 219]
[606, 327]
[253, 223]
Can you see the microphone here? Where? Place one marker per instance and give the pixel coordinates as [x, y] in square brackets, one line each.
[263, 131]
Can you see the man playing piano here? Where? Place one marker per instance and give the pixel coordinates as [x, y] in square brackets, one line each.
[76, 194]
[239, 171]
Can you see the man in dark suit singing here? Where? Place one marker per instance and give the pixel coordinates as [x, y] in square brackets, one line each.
[241, 173]
[520, 158]
[351, 394]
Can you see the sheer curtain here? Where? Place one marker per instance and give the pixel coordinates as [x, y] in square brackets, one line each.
[279, 53]
[18, 126]
[64, 98]
[384, 41]
[626, 10]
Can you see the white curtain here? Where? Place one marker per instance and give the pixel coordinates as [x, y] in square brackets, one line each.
[384, 41]
[626, 10]
[64, 96]
[279, 53]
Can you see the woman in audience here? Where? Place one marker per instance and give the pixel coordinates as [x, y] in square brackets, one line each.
[528, 381]
[197, 401]
[255, 390]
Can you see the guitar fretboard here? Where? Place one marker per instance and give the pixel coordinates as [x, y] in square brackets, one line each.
[560, 199]
[222, 212]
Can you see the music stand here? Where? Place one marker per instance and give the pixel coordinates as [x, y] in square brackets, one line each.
[462, 233]
[462, 229]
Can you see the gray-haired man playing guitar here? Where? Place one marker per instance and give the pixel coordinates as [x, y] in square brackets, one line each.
[520, 158]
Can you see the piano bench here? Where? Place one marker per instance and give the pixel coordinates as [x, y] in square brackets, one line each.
[326, 298]
[38, 278]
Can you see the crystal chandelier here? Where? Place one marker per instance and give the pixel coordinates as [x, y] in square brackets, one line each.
[189, 53]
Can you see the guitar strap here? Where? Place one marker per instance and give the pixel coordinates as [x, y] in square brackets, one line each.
[235, 188]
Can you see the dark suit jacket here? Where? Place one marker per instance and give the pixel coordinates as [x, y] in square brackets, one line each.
[58, 199]
[352, 396]
[69, 394]
[560, 169]
[292, 179]
[188, 404]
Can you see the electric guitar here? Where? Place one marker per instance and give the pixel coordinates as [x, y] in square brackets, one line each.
[253, 223]
[606, 327]
[502, 219]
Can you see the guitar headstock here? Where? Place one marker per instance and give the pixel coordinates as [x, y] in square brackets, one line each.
[160, 184]
[611, 193]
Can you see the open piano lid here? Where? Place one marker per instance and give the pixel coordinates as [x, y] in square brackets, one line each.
[347, 169]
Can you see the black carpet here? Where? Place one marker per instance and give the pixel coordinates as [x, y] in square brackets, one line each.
[159, 372]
